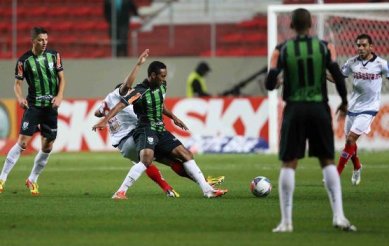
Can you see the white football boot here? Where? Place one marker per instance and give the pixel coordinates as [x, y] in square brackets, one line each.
[282, 227]
[356, 177]
[343, 224]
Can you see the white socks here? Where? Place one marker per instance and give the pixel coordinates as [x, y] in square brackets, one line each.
[40, 162]
[334, 190]
[286, 183]
[10, 161]
[134, 173]
[194, 171]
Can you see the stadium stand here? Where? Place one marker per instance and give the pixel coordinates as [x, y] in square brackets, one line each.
[78, 30]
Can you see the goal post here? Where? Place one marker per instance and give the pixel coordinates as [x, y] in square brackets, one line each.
[338, 23]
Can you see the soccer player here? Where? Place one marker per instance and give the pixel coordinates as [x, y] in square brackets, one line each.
[44, 74]
[121, 126]
[121, 129]
[367, 70]
[150, 134]
[304, 60]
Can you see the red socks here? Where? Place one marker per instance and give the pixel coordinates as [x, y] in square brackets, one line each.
[153, 172]
[180, 170]
[349, 151]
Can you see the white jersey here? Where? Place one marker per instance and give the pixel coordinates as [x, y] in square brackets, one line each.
[367, 83]
[123, 122]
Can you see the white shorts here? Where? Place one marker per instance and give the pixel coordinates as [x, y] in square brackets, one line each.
[127, 148]
[358, 124]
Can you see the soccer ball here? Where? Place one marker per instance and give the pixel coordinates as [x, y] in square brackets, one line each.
[260, 186]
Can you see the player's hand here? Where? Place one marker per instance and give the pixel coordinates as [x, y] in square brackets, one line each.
[56, 101]
[100, 125]
[342, 111]
[143, 57]
[180, 124]
[23, 103]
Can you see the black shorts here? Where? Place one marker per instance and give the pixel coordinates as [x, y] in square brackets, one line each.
[161, 142]
[302, 122]
[44, 120]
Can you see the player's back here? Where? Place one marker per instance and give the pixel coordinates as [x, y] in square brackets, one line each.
[304, 60]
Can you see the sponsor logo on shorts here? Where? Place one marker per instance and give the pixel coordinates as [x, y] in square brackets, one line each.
[150, 140]
[25, 125]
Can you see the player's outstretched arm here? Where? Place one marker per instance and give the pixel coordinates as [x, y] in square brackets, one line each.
[130, 79]
[176, 120]
[103, 122]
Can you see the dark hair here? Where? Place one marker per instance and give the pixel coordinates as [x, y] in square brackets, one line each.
[155, 67]
[35, 31]
[364, 36]
[203, 68]
[118, 85]
[301, 20]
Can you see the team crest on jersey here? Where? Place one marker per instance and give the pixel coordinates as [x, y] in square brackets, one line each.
[25, 125]
[51, 65]
[150, 140]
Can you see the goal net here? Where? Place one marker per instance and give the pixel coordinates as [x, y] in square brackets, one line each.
[339, 24]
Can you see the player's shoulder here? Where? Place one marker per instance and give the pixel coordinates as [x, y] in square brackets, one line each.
[52, 52]
[25, 56]
[144, 85]
[379, 59]
[352, 60]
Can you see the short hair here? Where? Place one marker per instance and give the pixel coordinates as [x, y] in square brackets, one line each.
[301, 19]
[155, 67]
[364, 36]
[203, 67]
[118, 85]
[35, 31]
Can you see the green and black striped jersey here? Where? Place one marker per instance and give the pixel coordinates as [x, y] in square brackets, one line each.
[304, 61]
[149, 107]
[41, 74]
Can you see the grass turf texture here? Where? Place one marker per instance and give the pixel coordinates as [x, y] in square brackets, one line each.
[75, 205]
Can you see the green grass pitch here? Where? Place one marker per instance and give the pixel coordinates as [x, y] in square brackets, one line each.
[75, 205]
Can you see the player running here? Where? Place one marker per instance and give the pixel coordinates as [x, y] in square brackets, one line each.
[367, 70]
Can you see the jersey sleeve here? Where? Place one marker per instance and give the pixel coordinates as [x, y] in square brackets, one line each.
[346, 68]
[19, 70]
[385, 69]
[58, 62]
[131, 95]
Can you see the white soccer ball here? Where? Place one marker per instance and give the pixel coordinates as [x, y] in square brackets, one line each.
[260, 186]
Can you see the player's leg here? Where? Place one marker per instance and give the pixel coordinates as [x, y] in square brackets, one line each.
[178, 167]
[334, 190]
[292, 147]
[127, 148]
[350, 148]
[286, 184]
[48, 128]
[348, 151]
[362, 126]
[145, 141]
[28, 127]
[321, 145]
[40, 162]
[195, 172]
[12, 157]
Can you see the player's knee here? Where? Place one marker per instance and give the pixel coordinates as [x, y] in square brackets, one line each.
[23, 144]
